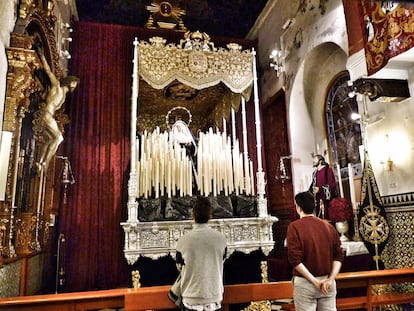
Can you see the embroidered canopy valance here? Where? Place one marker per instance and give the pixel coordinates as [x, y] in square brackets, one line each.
[195, 62]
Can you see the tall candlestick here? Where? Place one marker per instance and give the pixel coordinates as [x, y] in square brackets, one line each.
[351, 185]
[251, 178]
[233, 125]
[341, 187]
[245, 151]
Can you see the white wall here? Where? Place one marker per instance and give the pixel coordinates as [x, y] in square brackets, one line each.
[391, 136]
[310, 70]
[301, 137]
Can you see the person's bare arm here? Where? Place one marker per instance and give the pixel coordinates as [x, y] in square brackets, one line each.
[46, 67]
[301, 268]
[326, 284]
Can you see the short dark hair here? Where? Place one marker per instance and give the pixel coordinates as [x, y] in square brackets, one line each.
[202, 210]
[306, 201]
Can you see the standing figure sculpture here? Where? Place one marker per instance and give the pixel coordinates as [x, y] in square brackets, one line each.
[45, 122]
[323, 186]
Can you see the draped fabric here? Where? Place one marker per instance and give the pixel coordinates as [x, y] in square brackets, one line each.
[373, 224]
[97, 144]
[389, 31]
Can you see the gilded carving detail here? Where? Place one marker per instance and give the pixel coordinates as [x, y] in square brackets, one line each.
[20, 84]
[3, 233]
[24, 233]
[25, 8]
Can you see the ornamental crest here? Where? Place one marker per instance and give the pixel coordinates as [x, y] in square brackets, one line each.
[373, 226]
[197, 61]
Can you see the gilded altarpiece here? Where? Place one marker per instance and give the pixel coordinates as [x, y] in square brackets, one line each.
[25, 212]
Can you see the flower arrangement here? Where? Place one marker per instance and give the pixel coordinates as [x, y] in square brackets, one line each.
[340, 209]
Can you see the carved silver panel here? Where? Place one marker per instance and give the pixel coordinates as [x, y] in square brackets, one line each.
[157, 239]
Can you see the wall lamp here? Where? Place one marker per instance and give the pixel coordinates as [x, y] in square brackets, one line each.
[276, 61]
[67, 26]
[65, 54]
[68, 39]
[389, 163]
[380, 90]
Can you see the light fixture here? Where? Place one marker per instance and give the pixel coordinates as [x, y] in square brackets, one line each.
[380, 90]
[66, 26]
[65, 54]
[289, 22]
[283, 176]
[276, 61]
[355, 116]
[389, 163]
[68, 39]
[67, 175]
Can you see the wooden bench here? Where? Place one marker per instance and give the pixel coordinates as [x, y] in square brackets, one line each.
[155, 297]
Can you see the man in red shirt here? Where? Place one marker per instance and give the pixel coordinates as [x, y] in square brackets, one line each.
[315, 253]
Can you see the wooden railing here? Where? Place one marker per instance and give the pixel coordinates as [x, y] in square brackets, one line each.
[155, 297]
[92, 300]
[368, 280]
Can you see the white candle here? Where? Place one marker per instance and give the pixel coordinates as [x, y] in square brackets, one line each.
[168, 186]
[341, 187]
[351, 185]
[157, 179]
[251, 178]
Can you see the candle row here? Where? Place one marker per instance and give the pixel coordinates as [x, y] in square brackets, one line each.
[165, 169]
[220, 166]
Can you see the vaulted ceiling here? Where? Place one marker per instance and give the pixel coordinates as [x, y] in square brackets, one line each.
[228, 18]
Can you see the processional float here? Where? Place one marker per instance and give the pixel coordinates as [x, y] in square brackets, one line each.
[173, 165]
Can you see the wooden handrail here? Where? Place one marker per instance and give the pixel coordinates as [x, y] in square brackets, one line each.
[89, 300]
[366, 279]
[155, 297]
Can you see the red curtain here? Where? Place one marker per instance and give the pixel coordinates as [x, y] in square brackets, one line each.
[97, 144]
